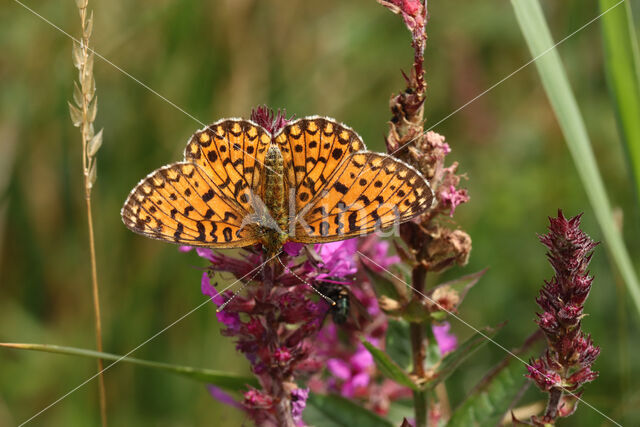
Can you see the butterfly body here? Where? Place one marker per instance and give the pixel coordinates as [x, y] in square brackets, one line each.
[311, 182]
[273, 233]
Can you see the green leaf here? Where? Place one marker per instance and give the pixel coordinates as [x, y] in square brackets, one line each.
[433, 355]
[555, 82]
[336, 411]
[496, 393]
[622, 65]
[381, 284]
[464, 283]
[461, 285]
[487, 406]
[398, 343]
[388, 367]
[452, 360]
[399, 410]
[225, 380]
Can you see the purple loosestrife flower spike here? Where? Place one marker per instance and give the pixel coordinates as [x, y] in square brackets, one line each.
[566, 364]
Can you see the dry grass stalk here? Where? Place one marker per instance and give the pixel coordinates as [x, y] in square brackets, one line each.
[83, 114]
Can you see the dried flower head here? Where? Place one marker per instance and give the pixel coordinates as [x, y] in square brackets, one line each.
[566, 364]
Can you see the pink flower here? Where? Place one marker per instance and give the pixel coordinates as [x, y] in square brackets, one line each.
[378, 250]
[446, 342]
[298, 403]
[338, 258]
[450, 197]
[339, 368]
[230, 320]
[223, 397]
[413, 12]
[354, 373]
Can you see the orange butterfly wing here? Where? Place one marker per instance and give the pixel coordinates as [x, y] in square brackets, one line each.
[203, 200]
[312, 149]
[232, 153]
[368, 192]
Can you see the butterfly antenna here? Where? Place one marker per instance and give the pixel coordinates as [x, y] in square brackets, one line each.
[329, 300]
[244, 285]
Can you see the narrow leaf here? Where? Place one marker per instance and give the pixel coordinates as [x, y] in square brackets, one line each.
[464, 283]
[622, 65]
[398, 343]
[225, 380]
[488, 406]
[94, 144]
[461, 286]
[382, 285]
[556, 84]
[336, 411]
[388, 367]
[76, 115]
[499, 390]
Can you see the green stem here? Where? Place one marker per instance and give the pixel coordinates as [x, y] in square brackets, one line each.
[420, 408]
[416, 330]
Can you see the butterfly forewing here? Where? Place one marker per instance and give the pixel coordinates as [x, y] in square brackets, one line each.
[312, 149]
[368, 192]
[204, 200]
[232, 153]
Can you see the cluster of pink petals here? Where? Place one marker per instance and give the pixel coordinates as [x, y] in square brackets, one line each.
[447, 341]
[450, 198]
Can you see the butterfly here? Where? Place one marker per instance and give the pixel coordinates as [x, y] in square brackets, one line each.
[313, 181]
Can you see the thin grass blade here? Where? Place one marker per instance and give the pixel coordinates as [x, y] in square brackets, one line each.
[225, 380]
[622, 65]
[556, 84]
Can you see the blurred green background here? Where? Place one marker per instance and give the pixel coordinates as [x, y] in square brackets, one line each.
[219, 59]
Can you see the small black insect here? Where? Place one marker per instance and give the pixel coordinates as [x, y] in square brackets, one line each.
[347, 306]
[342, 297]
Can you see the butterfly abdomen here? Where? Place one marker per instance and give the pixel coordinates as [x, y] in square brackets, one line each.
[275, 196]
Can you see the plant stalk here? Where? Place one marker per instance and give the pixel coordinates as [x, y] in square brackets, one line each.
[276, 387]
[418, 352]
[87, 167]
[96, 310]
[551, 413]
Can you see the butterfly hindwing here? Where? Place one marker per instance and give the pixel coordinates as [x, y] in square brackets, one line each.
[312, 149]
[368, 192]
[179, 203]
